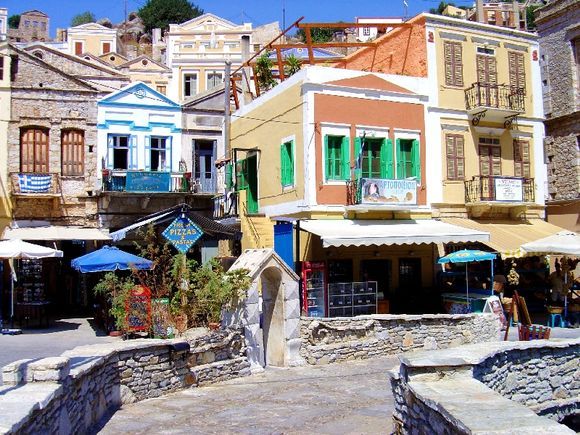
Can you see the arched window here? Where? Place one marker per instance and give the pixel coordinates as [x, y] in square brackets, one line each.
[34, 150]
[73, 152]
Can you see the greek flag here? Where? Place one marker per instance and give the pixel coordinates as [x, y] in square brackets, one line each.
[358, 163]
[33, 183]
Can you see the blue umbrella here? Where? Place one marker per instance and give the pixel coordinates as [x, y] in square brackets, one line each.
[466, 256]
[108, 259]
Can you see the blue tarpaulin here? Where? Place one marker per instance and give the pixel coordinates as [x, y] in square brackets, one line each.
[108, 259]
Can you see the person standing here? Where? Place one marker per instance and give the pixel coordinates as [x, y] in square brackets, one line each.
[556, 281]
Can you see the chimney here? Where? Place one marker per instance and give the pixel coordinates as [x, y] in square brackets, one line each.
[516, 15]
[479, 11]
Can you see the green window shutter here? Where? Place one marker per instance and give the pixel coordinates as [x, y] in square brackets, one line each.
[290, 147]
[416, 160]
[229, 176]
[283, 165]
[328, 160]
[387, 159]
[357, 158]
[345, 159]
[400, 162]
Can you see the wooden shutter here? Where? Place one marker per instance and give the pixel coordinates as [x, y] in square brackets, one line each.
[290, 150]
[229, 176]
[496, 160]
[132, 152]
[416, 159]
[453, 63]
[110, 152]
[386, 157]
[460, 157]
[486, 70]
[169, 154]
[328, 159]
[517, 71]
[1, 67]
[286, 164]
[345, 158]
[72, 152]
[34, 150]
[455, 157]
[521, 158]
[358, 158]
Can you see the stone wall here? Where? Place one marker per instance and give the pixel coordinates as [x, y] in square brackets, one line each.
[331, 340]
[74, 392]
[440, 391]
[561, 144]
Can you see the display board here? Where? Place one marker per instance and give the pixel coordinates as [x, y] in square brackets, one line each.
[138, 309]
[493, 305]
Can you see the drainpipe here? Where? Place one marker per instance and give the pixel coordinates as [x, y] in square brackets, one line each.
[227, 91]
[246, 72]
[298, 263]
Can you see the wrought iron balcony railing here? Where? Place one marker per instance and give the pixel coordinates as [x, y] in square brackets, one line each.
[146, 181]
[500, 189]
[225, 206]
[501, 97]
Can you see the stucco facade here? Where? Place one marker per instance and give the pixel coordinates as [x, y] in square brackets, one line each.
[197, 51]
[146, 70]
[5, 204]
[91, 38]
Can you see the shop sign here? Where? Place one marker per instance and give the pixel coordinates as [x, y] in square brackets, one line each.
[382, 191]
[138, 309]
[182, 233]
[509, 189]
[148, 181]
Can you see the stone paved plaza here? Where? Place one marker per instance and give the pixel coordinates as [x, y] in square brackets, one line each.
[351, 397]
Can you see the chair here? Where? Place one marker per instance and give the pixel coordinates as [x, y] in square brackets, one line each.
[533, 332]
[556, 319]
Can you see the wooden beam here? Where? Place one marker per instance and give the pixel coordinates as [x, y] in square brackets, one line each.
[348, 25]
[235, 92]
[280, 63]
[309, 45]
[327, 45]
[256, 84]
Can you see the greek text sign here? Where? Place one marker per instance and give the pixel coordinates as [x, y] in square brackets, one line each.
[508, 189]
[375, 190]
[142, 181]
[182, 233]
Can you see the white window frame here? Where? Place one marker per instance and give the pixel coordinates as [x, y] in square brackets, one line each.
[74, 46]
[189, 72]
[292, 186]
[106, 42]
[406, 135]
[207, 73]
[333, 130]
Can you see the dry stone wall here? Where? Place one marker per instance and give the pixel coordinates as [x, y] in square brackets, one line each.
[74, 392]
[332, 340]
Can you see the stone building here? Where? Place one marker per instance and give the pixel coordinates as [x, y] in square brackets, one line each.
[559, 31]
[51, 145]
[3, 23]
[34, 26]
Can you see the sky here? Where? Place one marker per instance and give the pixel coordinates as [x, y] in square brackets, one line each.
[257, 12]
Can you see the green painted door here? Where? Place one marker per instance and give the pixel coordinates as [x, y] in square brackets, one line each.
[252, 179]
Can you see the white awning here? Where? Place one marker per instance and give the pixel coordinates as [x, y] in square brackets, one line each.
[346, 232]
[54, 233]
[122, 233]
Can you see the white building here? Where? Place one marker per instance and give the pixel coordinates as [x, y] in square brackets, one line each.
[139, 141]
[3, 24]
[365, 34]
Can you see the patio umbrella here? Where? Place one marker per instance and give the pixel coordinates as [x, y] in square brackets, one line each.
[562, 243]
[17, 249]
[108, 259]
[467, 256]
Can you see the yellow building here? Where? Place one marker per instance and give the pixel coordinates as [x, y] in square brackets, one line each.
[91, 38]
[5, 204]
[145, 69]
[197, 51]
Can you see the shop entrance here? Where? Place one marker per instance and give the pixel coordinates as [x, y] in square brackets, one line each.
[273, 317]
[406, 298]
[379, 271]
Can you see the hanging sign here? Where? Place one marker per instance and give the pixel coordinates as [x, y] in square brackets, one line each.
[182, 233]
[508, 189]
[383, 191]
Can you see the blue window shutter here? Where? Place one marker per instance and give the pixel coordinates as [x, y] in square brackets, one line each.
[148, 153]
[357, 158]
[400, 163]
[416, 159]
[345, 158]
[388, 145]
[169, 154]
[110, 158]
[132, 152]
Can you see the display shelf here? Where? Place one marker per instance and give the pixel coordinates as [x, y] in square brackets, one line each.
[352, 298]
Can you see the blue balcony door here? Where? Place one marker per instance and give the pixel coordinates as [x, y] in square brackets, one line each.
[204, 165]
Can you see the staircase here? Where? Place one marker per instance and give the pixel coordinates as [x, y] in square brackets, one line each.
[257, 229]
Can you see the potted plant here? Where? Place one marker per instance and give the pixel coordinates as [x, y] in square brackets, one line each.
[115, 291]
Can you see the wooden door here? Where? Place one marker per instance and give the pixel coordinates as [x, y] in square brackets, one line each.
[489, 167]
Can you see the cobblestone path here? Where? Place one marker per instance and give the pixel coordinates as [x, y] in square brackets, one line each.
[353, 397]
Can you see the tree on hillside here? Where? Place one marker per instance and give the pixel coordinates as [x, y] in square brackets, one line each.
[14, 21]
[162, 13]
[319, 34]
[83, 18]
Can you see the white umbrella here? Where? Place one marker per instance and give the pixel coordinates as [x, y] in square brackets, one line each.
[17, 249]
[562, 243]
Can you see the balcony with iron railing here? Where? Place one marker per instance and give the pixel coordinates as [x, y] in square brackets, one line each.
[499, 101]
[377, 192]
[506, 190]
[155, 182]
[225, 206]
[35, 184]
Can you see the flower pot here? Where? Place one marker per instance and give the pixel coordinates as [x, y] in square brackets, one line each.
[115, 334]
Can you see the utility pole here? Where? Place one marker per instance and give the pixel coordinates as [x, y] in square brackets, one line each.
[227, 91]
[284, 16]
[125, 26]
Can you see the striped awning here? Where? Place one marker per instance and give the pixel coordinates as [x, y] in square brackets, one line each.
[507, 237]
